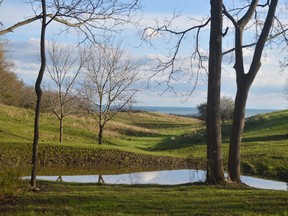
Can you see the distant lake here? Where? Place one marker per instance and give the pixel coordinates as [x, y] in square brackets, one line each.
[192, 111]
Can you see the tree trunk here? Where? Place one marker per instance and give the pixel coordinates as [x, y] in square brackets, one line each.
[39, 96]
[234, 168]
[61, 130]
[215, 171]
[100, 135]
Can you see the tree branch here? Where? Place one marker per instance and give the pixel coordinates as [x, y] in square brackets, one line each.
[19, 24]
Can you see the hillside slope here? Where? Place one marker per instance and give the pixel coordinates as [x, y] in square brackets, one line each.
[142, 139]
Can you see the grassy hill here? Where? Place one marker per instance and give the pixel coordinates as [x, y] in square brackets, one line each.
[134, 139]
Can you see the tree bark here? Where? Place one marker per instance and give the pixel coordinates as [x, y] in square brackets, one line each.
[61, 129]
[100, 135]
[215, 171]
[236, 132]
[38, 91]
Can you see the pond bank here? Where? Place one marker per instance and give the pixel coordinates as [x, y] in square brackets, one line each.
[95, 158]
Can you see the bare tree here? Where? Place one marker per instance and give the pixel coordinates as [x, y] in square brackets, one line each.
[109, 85]
[65, 66]
[245, 79]
[215, 170]
[198, 59]
[84, 16]
[38, 91]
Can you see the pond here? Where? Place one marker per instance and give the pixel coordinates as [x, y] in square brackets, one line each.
[164, 177]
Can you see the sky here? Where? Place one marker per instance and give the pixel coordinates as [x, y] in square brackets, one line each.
[266, 91]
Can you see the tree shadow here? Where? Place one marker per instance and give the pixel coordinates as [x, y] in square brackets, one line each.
[182, 141]
[15, 135]
[266, 138]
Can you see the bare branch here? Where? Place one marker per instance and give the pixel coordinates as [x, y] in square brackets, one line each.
[19, 24]
[170, 65]
[85, 15]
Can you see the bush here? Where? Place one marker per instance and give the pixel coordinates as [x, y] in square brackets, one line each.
[226, 107]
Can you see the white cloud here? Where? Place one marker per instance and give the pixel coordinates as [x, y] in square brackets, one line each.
[146, 176]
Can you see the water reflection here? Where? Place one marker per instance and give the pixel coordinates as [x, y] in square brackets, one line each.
[59, 179]
[100, 180]
[165, 177]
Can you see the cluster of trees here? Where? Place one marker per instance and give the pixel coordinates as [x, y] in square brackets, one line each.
[13, 91]
[100, 80]
[11, 88]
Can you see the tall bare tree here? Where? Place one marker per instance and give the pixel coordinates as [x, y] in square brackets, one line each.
[110, 83]
[64, 68]
[89, 17]
[38, 91]
[198, 59]
[245, 78]
[215, 170]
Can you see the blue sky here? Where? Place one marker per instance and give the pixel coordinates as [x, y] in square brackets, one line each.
[266, 92]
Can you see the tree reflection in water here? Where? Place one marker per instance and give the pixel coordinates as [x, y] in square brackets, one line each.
[101, 179]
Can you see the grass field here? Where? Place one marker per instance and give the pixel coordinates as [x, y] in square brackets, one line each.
[264, 148]
[131, 141]
[89, 199]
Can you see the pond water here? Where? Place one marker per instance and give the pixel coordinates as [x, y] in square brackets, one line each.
[165, 177]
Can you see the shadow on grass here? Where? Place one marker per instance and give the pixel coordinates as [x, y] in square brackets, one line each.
[136, 133]
[160, 125]
[266, 138]
[15, 135]
[182, 141]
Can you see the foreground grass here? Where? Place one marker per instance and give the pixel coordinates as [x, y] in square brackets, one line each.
[89, 199]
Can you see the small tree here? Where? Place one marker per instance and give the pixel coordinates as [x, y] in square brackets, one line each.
[110, 83]
[226, 108]
[202, 110]
[63, 69]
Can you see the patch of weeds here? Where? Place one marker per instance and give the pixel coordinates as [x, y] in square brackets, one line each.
[11, 183]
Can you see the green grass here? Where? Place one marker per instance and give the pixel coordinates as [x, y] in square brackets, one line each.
[91, 199]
